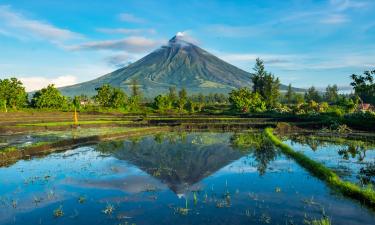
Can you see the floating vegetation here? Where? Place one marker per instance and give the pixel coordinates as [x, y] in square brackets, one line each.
[58, 212]
[14, 203]
[195, 198]
[183, 211]
[322, 221]
[265, 218]
[81, 199]
[37, 200]
[108, 210]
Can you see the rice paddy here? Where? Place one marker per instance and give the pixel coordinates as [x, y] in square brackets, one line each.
[173, 178]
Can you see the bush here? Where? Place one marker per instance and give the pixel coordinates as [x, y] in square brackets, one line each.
[243, 100]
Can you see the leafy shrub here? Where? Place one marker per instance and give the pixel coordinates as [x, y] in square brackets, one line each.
[243, 100]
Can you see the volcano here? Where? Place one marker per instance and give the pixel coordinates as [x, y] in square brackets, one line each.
[179, 63]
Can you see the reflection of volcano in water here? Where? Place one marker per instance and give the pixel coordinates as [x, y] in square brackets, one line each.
[180, 162]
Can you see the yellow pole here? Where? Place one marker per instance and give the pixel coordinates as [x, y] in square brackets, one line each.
[75, 116]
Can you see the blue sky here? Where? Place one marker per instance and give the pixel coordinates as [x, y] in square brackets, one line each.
[304, 42]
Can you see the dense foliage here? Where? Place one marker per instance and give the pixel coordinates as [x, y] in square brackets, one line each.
[244, 100]
[49, 98]
[108, 96]
[12, 94]
[364, 86]
[265, 84]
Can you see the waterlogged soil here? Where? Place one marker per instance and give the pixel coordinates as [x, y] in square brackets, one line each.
[25, 140]
[352, 160]
[174, 178]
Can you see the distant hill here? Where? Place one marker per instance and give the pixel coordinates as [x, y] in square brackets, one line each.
[179, 64]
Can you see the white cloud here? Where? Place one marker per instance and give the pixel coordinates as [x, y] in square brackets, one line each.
[342, 5]
[187, 36]
[126, 31]
[127, 17]
[133, 44]
[17, 25]
[121, 60]
[335, 19]
[37, 83]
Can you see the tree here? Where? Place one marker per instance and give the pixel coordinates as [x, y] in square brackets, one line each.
[104, 95]
[134, 100]
[312, 95]
[49, 97]
[364, 86]
[161, 102]
[243, 100]
[77, 102]
[172, 96]
[12, 93]
[108, 96]
[331, 95]
[200, 101]
[182, 99]
[299, 98]
[265, 84]
[118, 98]
[191, 106]
[289, 94]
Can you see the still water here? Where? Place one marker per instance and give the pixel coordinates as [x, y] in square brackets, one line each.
[174, 178]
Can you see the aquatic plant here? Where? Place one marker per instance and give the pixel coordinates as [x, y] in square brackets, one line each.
[181, 210]
[264, 218]
[108, 210]
[58, 212]
[14, 203]
[323, 221]
[82, 199]
[365, 195]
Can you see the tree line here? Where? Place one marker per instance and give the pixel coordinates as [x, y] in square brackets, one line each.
[263, 95]
[14, 96]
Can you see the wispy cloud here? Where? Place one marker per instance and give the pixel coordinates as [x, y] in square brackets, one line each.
[342, 5]
[37, 83]
[130, 18]
[131, 44]
[187, 36]
[121, 60]
[17, 25]
[335, 19]
[126, 31]
[233, 31]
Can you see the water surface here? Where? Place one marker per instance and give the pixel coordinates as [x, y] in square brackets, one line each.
[175, 178]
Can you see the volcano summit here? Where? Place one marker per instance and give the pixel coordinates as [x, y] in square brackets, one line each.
[179, 63]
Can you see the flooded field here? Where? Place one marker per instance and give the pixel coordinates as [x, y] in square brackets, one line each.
[174, 178]
[352, 160]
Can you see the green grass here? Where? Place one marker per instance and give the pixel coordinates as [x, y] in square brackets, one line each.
[323, 221]
[38, 144]
[67, 123]
[365, 195]
[8, 149]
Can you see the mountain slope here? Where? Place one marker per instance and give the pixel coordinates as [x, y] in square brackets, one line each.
[179, 64]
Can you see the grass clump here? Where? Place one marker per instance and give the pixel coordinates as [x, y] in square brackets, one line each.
[323, 221]
[8, 149]
[365, 195]
[58, 212]
[69, 123]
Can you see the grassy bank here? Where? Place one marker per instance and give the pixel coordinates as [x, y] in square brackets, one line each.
[364, 195]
